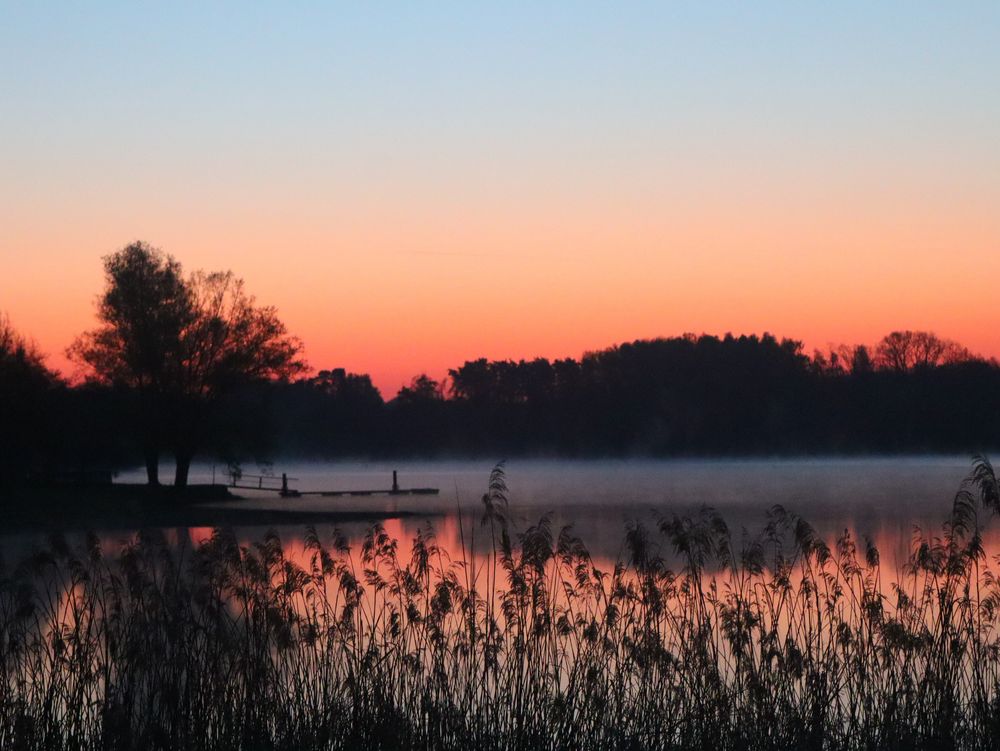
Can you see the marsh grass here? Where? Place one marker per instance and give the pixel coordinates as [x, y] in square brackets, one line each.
[694, 638]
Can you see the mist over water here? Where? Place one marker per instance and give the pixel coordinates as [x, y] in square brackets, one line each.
[883, 498]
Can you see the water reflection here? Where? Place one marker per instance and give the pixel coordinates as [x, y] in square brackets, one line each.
[884, 499]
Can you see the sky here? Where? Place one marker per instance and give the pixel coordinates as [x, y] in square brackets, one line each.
[415, 185]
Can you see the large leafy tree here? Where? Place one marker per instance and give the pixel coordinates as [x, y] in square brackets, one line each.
[181, 345]
[144, 312]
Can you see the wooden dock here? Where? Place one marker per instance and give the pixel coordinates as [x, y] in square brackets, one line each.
[279, 485]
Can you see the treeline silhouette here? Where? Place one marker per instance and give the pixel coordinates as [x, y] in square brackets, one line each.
[689, 395]
[682, 396]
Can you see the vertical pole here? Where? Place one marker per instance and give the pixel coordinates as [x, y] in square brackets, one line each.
[395, 485]
[284, 483]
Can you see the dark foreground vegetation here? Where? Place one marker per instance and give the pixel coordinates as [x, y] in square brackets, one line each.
[694, 638]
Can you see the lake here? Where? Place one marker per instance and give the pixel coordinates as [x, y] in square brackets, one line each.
[879, 497]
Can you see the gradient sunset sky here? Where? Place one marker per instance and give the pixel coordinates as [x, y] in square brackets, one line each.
[414, 185]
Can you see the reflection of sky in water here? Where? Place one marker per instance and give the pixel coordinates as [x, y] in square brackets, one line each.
[880, 498]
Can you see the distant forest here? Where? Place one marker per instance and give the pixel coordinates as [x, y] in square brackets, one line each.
[682, 396]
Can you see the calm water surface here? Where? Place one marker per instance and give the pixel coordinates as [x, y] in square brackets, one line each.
[881, 498]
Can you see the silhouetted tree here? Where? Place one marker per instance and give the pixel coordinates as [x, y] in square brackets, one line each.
[334, 413]
[418, 417]
[905, 350]
[181, 345]
[474, 380]
[422, 389]
[144, 311]
[19, 354]
[27, 389]
[861, 360]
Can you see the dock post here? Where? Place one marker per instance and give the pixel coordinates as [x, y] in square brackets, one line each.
[284, 483]
[395, 485]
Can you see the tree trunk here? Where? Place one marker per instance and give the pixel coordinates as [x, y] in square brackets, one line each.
[183, 466]
[152, 457]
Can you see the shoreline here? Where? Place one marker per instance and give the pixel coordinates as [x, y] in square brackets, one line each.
[129, 506]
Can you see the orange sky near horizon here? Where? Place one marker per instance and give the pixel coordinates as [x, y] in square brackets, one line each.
[422, 295]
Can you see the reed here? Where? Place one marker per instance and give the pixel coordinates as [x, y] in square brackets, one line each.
[694, 638]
